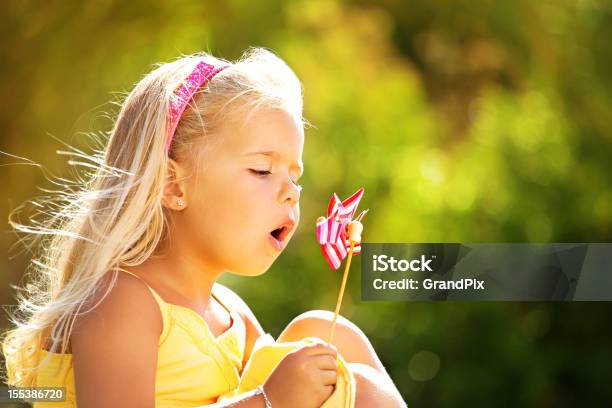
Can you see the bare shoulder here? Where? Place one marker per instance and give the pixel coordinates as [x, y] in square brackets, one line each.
[129, 300]
[114, 346]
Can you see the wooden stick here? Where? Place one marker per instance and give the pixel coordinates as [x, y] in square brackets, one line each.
[341, 294]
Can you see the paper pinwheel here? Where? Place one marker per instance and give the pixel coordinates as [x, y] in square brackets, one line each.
[332, 231]
[340, 236]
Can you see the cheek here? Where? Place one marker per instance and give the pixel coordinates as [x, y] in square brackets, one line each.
[233, 217]
[246, 200]
[229, 207]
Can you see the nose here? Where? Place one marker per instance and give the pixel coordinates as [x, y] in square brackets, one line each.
[290, 192]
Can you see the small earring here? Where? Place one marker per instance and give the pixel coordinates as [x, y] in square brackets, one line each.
[180, 202]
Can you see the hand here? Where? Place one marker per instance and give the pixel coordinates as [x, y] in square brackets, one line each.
[304, 378]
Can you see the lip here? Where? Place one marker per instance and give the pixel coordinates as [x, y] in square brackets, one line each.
[280, 243]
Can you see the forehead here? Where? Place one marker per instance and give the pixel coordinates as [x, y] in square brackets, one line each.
[266, 130]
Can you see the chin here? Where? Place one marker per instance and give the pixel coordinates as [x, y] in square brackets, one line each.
[250, 273]
[252, 270]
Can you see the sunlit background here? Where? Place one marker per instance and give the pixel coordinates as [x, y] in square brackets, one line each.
[465, 121]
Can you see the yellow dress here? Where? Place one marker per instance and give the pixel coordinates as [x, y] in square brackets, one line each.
[267, 353]
[195, 368]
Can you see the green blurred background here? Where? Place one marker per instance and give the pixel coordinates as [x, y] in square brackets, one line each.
[465, 121]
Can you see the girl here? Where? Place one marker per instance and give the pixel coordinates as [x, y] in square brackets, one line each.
[199, 177]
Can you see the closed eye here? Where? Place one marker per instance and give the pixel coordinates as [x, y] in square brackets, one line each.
[260, 172]
[263, 173]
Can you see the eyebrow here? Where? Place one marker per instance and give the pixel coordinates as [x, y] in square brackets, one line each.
[272, 153]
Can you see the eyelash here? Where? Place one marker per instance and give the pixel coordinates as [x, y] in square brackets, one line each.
[263, 173]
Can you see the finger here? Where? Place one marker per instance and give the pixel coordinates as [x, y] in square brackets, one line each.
[329, 377]
[329, 389]
[319, 340]
[326, 362]
[318, 349]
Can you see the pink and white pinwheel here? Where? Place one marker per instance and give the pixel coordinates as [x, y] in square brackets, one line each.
[332, 231]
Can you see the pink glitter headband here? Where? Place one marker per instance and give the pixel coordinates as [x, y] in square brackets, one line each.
[201, 74]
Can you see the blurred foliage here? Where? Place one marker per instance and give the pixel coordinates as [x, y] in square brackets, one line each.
[465, 121]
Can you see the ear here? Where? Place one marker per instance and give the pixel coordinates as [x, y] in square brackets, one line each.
[175, 191]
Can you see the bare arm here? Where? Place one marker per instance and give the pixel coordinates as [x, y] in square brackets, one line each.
[114, 348]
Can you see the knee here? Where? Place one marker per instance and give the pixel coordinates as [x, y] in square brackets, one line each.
[372, 389]
[349, 339]
[318, 323]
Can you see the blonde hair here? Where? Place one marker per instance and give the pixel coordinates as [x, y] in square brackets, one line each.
[115, 216]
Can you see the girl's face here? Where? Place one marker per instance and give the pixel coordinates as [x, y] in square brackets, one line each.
[243, 207]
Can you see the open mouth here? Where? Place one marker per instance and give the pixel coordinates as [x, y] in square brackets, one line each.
[279, 235]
